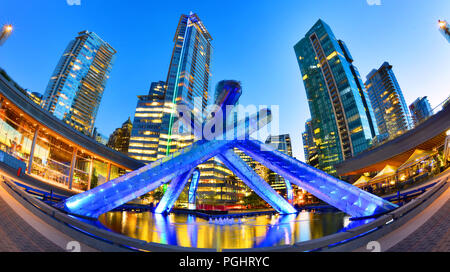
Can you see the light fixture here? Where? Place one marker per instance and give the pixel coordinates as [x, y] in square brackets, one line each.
[8, 28]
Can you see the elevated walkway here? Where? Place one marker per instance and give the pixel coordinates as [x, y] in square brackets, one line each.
[426, 136]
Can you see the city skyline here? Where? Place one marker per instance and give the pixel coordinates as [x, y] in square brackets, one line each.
[258, 85]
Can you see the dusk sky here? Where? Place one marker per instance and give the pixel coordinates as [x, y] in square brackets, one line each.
[253, 42]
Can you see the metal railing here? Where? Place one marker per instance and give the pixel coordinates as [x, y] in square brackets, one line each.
[125, 242]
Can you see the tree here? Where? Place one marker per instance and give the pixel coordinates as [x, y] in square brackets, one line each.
[254, 200]
[158, 194]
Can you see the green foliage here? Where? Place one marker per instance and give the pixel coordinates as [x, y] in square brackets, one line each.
[254, 200]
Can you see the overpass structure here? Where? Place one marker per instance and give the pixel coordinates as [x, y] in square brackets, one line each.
[179, 167]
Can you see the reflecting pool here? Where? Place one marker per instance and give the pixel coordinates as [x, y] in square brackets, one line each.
[232, 233]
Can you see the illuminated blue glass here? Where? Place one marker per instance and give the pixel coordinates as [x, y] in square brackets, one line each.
[193, 187]
[178, 167]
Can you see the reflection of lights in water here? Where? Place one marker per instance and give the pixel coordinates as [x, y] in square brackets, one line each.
[124, 221]
[255, 231]
[304, 226]
[346, 221]
[304, 215]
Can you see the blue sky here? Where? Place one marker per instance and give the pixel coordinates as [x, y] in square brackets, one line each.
[253, 42]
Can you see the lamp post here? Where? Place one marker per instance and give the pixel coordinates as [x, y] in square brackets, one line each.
[5, 33]
[444, 28]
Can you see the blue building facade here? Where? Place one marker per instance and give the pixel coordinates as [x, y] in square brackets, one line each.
[76, 87]
[188, 81]
[420, 110]
[389, 106]
[341, 113]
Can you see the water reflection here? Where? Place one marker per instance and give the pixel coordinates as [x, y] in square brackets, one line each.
[248, 232]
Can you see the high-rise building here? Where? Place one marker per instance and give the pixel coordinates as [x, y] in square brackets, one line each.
[444, 28]
[76, 87]
[98, 137]
[420, 110]
[309, 146]
[147, 124]
[188, 82]
[35, 97]
[389, 106]
[5, 33]
[217, 183]
[283, 144]
[120, 138]
[341, 114]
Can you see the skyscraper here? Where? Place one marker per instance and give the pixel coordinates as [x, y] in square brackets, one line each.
[444, 28]
[76, 87]
[120, 138]
[283, 144]
[341, 114]
[188, 82]
[420, 110]
[309, 146]
[389, 106]
[35, 97]
[147, 124]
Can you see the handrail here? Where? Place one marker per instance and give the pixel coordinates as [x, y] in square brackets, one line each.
[94, 232]
[322, 243]
[38, 192]
[421, 189]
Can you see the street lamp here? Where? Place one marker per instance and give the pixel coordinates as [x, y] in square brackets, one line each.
[5, 33]
[444, 29]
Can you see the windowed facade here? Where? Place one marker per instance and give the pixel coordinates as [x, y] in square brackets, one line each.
[147, 124]
[341, 114]
[188, 81]
[283, 144]
[390, 108]
[47, 148]
[76, 87]
[420, 110]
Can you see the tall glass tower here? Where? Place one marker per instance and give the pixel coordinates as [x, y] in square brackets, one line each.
[188, 81]
[390, 108]
[341, 114]
[147, 124]
[420, 110]
[76, 87]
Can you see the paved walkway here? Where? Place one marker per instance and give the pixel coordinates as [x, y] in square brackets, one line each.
[23, 231]
[18, 236]
[427, 231]
[34, 182]
[433, 235]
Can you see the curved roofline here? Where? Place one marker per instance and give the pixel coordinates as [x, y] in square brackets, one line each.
[65, 131]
